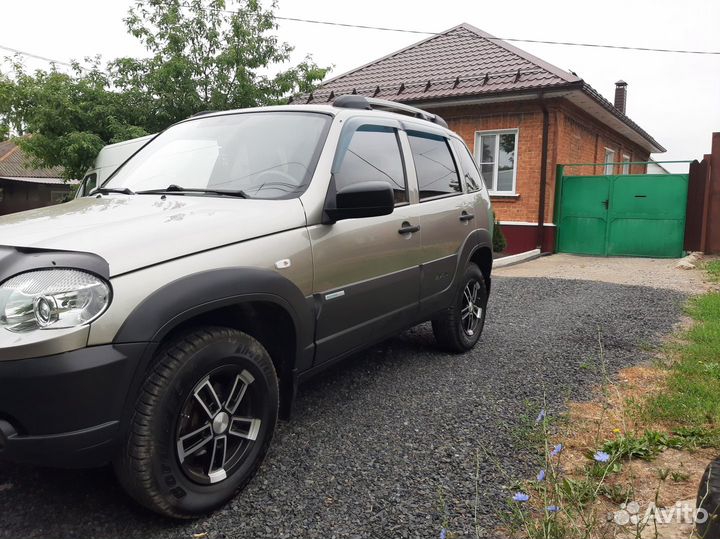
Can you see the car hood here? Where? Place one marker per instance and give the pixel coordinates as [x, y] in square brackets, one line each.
[131, 232]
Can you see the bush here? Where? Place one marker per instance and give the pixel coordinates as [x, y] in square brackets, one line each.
[499, 242]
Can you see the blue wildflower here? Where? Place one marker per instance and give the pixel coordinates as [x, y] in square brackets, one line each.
[520, 497]
[601, 456]
[443, 533]
[556, 450]
[540, 416]
[552, 509]
[541, 475]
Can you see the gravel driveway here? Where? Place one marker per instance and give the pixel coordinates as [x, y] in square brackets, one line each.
[376, 440]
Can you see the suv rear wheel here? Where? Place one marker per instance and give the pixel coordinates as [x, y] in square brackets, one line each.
[202, 423]
[459, 327]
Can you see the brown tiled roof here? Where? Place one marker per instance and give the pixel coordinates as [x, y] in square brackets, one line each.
[461, 62]
[15, 164]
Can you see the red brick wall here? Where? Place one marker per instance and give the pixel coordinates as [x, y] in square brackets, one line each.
[573, 137]
[583, 139]
[528, 119]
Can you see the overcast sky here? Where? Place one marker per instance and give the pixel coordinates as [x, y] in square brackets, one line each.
[675, 97]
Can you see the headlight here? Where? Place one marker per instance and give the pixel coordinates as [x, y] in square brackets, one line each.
[52, 299]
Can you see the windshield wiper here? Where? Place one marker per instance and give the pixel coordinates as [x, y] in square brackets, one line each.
[176, 189]
[108, 190]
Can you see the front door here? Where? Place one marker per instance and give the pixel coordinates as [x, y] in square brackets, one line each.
[366, 276]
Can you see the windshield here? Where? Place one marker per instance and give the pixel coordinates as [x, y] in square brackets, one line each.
[260, 154]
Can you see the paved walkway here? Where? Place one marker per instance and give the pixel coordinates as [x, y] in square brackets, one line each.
[652, 272]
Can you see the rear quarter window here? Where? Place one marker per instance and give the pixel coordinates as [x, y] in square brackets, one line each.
[473, 179]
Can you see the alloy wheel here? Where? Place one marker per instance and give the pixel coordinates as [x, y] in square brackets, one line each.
[472, 308]
[218, 425]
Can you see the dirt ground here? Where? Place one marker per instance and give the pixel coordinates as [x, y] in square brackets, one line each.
[590, 422]
[653, 272]
[669, 481]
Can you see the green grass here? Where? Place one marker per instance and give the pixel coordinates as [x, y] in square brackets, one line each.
[693, 395]
[713, 270]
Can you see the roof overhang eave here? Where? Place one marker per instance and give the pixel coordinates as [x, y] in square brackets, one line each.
[578, 93]
[599, 107]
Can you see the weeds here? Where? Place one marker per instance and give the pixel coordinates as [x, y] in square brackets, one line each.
[713, 270]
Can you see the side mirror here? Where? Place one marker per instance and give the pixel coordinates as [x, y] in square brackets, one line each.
[364, 199]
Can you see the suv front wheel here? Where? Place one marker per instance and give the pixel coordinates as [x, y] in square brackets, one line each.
[202, 423]
[459, 327]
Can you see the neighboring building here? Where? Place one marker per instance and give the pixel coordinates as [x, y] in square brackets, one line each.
[23, 187]
[515, 111]
[653, 167]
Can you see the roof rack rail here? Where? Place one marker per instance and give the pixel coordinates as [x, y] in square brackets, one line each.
[370, 103]
[202, 113]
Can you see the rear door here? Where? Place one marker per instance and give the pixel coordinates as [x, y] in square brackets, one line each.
[367, 275]
[447, 214]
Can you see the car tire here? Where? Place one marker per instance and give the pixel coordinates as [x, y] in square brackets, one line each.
[202, 423]
[708, 499]
[458, 328]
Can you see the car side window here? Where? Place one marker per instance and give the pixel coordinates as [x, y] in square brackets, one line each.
[434, 165]
[473, 180]
[89, 183]
[373, 154]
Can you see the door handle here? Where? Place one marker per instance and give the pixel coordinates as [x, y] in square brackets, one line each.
[606, 203]
[407, 228]
[465, 216]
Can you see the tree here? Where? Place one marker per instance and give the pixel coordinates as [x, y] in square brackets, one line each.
[6, 91]
[65, 119]
[207, 55]
[204, 55]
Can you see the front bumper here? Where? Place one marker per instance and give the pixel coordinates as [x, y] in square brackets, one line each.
[67, 409]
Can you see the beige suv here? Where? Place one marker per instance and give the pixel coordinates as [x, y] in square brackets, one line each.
[164, 322]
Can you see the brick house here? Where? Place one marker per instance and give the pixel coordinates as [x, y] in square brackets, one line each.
[23, 187]
[520, 115]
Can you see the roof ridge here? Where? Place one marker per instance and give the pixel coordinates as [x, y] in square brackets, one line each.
[558, 72]
[390, 55]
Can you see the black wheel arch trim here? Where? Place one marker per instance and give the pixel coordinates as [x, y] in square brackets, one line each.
[200, 293]
[476, 240]
[203, 292]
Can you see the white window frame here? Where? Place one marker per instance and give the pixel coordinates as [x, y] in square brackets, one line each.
[626, 163]
[491, 183]
[609, 164]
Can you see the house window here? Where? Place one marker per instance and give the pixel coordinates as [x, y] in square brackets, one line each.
[495, 152]
[609, 160]
[626, 164]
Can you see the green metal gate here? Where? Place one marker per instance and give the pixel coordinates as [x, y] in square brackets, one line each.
[622, 215]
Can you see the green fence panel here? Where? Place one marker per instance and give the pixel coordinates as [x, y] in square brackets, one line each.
[647, 215]
[582, 225]
[624, 215]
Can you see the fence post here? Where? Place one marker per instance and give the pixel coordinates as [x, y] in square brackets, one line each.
[712, 244]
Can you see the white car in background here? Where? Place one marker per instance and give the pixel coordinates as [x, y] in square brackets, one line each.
[108, 161]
